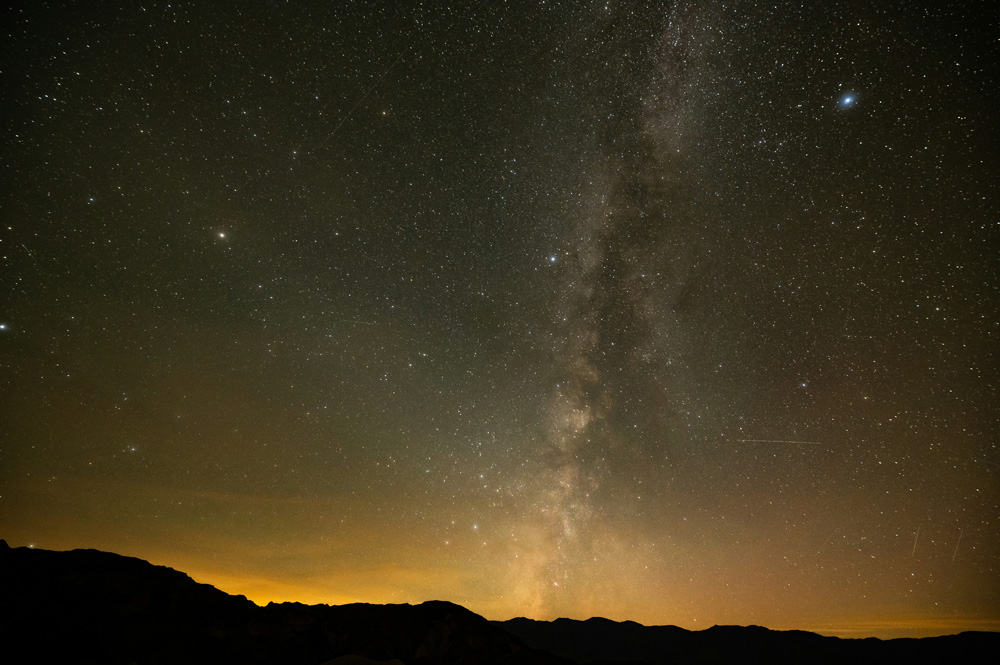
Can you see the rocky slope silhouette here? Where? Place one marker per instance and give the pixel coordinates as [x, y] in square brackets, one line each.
[86, 606]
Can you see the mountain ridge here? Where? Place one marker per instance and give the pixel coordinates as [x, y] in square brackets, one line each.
[93, 606]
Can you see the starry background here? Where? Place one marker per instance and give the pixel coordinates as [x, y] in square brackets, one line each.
[681, 313]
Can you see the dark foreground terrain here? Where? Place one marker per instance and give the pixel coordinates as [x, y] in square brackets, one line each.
[86, 606]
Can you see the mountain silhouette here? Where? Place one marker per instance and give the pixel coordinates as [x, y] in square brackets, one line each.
[87, 606]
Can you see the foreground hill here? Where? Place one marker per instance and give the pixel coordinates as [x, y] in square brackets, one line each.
[86, 606]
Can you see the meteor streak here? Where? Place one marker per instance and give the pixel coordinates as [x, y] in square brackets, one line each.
[804, 443]
[361, 99]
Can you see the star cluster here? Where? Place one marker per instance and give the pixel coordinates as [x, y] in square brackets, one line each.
[684, 313]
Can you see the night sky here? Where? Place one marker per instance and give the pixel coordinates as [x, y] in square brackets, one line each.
[684, 313]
